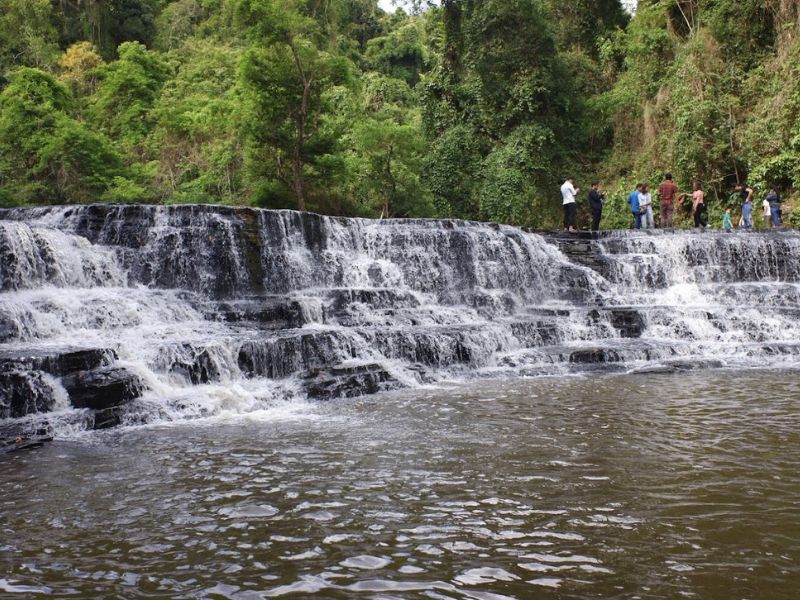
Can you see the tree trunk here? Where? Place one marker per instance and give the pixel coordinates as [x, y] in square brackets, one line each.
[389, 198]
[300, 120]
[297, 175]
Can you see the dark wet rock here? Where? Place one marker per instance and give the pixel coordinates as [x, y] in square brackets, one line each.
[432, 347]
[348, 382]
[57, 362]
[25, 387]
[342, 299]
[80, 360]
[108, 417]
[24, 392]
[776, 349]
[10, 429]
[268, 312]
[348, 306]
[535, 333]
[629, 322]
[694, 364]
[489, 305]
[595, 356]
[574, 286]
[194, 364]
[103, 388]
[581, 247]
[251, 249]
[9, 328]
[295, 352]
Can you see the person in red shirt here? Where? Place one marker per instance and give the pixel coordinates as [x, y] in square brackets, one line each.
[667, 192]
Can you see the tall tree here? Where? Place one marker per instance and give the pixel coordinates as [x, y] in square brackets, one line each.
[387, 150]
[291, 64]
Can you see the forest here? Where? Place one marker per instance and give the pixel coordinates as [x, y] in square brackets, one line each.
[474, 109]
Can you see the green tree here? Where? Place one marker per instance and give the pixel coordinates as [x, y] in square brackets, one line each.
[27, 35]
[452, 168]
[387, 151]
[584, 24]
[401, 53]
[286, 72]
[196, 139]
[501, 71]
[179, 21]
[46, 155]
[127, 92]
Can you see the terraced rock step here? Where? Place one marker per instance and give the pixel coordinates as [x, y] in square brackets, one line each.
[35, 381]
[57, 362]
[102, 388]
[25, 392]
[269, 312]
[348, 381]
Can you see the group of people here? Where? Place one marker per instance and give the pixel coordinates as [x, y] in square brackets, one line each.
[640, 202]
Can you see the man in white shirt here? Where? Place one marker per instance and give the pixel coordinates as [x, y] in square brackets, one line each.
[646, 207]
[568, 193]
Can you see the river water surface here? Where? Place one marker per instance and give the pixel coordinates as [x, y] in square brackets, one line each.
[650, 486]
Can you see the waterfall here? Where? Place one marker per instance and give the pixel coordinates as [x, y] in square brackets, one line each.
[133, 314]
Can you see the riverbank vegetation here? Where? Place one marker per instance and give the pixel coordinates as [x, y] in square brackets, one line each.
[472, 109]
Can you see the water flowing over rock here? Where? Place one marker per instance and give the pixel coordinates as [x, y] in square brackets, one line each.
[129, 314]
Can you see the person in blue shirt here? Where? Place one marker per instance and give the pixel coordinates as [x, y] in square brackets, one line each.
[633, 200]
[727, 224]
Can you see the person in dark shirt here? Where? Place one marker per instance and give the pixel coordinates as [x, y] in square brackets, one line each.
[745, 193]
[774, 199]
[596, 199]
[666, 193]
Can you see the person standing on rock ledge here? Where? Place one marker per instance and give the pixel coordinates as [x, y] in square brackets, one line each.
[699, 206]
[633, 201]
[745, 195]
[666, 193]
[774, 199]
[646, 207]
[568, 193]
[596, 199]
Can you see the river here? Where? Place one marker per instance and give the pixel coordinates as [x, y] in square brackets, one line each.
[593, 486]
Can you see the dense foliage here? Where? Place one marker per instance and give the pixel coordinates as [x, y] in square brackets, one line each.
[470, 108]
[709, 89]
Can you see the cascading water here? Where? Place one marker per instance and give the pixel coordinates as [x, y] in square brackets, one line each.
[130, 314]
